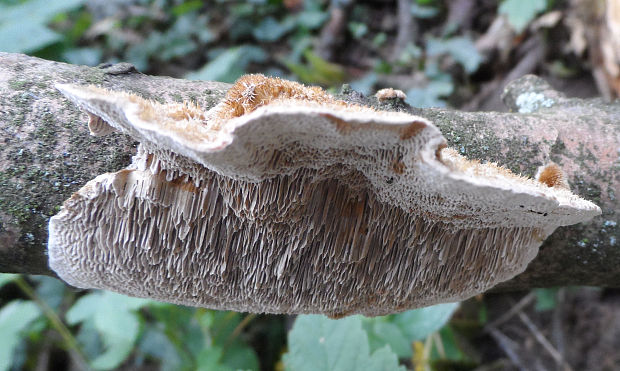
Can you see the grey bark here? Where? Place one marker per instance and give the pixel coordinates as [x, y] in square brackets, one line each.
[47, 154]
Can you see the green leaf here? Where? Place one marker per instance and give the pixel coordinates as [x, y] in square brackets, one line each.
[269, 30]
[114, 355]
[379, 39]
[450, 346]
[22, 26]
[240, 356]
[210, 359]
[156, 344]
[89, 339]
[25, 37]
[429, 96]
[50, 290]
[180, 325]
[545, 299]
[205, 318]
[318, 70]
[317, 343]
[311, 19]
[400, 330]
[187, 7]
[421, 11]
[521, 12]
[365, 84]
[236, 354]
[330, 71]
[357, 29]
[417, 324]
[229, 65]
[14, 320]
[7, 278]
[84, 56]
[385, 332]
[36, 11]
[384, 360]
[84, 308]
[462, 49]
[115, 322]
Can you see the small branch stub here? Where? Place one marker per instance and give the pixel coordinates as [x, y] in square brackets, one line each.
[282, 199]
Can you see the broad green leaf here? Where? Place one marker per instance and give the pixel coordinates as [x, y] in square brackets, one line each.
[365, 84]
[317, 343]
[331, 71]
[205, 318]
[311, 19]
[379, 39]
[114, 320]
[14, 320]
[269, 30]
[430, 95]
[84, 56]
[50, 290]
[384, 360]
[317, 70]
[156, 344]
[210, 360]
[521, 12]
[235, 353]
[114, 355]
[181, 326]
[22, 26]
[545, 299]
[187, 7]
[7, 278]
[89, 339]
[462, 49]
[357, 29]
[16, 37]
[451, 349]
[84, 308]
[229, 65]
[239, 356]
[382, 332]
[421, 11]
[417, 324]
[400, 330]
[36, 11]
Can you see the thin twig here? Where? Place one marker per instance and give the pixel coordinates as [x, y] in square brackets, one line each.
[557, 357]
[237, 330]
[332, 33]
[407, 28]
[556, 322]
[507, 345]
[439, 344]
[525, 301]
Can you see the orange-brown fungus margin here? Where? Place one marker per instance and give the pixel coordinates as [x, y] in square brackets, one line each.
[552, 176]
[412, 129]
[253, 91]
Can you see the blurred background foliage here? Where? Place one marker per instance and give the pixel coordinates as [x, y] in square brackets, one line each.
[420, 46]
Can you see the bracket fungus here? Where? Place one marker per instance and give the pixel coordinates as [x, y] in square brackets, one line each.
[282, 199]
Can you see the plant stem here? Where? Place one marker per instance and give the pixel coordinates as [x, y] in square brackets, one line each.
[55, 321]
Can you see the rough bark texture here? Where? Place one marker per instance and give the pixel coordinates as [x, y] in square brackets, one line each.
[47, 154]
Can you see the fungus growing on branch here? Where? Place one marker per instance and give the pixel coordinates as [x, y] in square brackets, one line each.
[283, 199]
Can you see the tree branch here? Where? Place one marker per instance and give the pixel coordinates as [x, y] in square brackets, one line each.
[47, 154]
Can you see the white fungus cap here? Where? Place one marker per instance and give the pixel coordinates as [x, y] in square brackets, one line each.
[282, 199]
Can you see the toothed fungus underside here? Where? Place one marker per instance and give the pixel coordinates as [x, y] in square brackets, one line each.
[282, 199]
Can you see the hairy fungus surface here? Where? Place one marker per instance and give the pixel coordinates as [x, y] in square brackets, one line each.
[282, 199]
